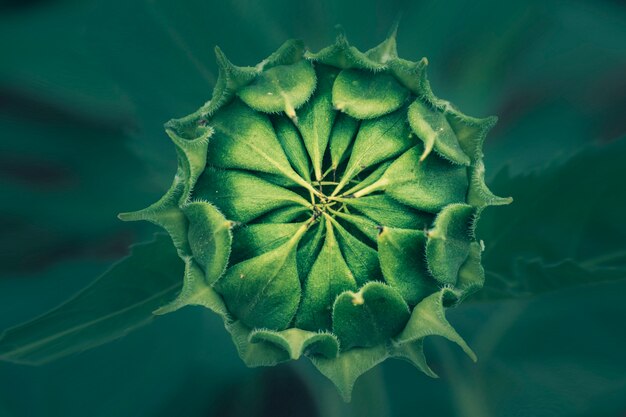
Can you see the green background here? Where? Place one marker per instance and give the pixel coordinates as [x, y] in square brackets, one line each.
[85, 87]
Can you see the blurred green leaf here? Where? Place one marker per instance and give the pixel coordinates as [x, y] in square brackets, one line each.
[120, 300]
[162, 369]
[566, 226]
[64, 180]
[556, 354]
[48, 58]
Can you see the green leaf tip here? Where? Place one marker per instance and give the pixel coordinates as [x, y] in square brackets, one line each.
[428, 319]
[235, 77]
[346, 368]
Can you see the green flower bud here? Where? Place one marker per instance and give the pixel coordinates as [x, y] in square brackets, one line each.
[325, 206]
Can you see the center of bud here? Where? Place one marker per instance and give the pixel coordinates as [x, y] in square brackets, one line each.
[321, 202]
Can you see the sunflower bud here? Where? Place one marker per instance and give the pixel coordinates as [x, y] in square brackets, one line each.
[325, 205]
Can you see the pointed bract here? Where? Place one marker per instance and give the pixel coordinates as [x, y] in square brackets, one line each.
[316, 118]
[402, 254]
[449, 242]
[342, 135]
[369, 317]
[361, 96]
[209, 238]
[434, 130]
[329, 276]
[243, 197]
[428, 319]
[282, 88]
[345, 369]
[342, 55]
[292, 144]
[264, 292]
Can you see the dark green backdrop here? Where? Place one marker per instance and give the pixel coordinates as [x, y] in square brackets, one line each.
[85, 87]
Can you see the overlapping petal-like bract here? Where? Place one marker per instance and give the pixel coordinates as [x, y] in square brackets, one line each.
[325, 206]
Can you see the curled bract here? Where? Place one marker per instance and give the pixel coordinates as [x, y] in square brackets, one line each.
[325, 206]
